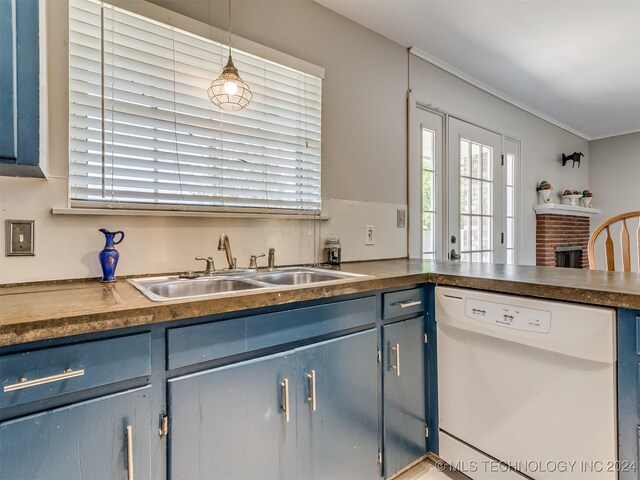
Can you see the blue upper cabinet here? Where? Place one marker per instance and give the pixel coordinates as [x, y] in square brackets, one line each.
[19, 89]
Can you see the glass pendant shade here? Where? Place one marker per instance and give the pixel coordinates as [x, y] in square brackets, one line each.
[229, 91]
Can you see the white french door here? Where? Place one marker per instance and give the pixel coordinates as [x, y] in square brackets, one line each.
[475, 200]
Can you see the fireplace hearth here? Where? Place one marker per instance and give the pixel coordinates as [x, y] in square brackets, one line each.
[569, 257]
[562, 235]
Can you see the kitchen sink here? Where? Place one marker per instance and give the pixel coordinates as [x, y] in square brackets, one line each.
[171, 288]
[296, 277]
[161, 289]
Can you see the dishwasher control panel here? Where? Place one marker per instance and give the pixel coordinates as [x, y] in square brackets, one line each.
[510, 316]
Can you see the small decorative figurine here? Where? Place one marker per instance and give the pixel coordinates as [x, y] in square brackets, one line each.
[109, 255]
[572, 196]
[574, 157]
[544, 189]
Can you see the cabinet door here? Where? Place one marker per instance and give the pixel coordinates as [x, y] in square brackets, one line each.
[228, 422]
[338, 417]
[403, 394]
[98, 439]
[19, 87]
[629, 393]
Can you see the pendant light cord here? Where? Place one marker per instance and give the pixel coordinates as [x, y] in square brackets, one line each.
[229, 28]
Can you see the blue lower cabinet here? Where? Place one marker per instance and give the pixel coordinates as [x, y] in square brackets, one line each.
[103, 438]
[629, 393]
[404, 424]
[256, 419]
[230, 422]
[337, 408]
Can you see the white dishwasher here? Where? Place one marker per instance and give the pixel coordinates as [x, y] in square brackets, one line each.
[526, 388]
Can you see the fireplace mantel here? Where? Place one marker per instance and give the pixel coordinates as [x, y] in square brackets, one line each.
[562, 209]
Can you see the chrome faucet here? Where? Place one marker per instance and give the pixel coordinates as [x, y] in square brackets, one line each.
[253, 261]
[223, 244]
[272, 259]
[210, 268]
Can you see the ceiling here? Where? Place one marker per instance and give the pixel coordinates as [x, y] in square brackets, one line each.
[574, 62]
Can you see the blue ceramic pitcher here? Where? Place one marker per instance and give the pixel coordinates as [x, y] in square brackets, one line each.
[109, 255]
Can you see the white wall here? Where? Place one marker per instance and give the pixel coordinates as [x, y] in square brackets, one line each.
[363, 155]
[614, 175]
[614, 179]
[542, 143]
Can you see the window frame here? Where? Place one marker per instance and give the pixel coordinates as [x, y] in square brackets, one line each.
[172, 19]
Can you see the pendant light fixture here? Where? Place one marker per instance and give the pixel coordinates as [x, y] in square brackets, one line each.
[229, 91]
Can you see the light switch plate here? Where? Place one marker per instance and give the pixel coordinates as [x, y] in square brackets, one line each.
[19, 238]
[401, 218]
[368, 235]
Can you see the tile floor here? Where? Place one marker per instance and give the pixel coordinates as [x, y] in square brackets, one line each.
[427, 470]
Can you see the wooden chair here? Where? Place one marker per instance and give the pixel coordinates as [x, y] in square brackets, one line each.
[625, 243]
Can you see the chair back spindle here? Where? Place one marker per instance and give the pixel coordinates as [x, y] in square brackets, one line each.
[625, 242]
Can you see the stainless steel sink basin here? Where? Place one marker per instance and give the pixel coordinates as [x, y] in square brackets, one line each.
[171, 288]
[296, 277]
[161, 289]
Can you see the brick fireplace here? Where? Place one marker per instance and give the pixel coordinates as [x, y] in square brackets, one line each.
[562, 234]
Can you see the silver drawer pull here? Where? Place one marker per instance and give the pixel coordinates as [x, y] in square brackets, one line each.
[24, 383]
[411, 303]
[311, 378]
[396, 351]
[284, 385]
[130, 452]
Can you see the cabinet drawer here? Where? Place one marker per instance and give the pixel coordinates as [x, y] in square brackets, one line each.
[59, 370]
[405, 302]
[215, 340]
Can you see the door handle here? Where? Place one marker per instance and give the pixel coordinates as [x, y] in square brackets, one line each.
[284, 385]
[24, 383]
[130, 452]
[311, 378]
[453, 255]
[411, 303]
[396, 366]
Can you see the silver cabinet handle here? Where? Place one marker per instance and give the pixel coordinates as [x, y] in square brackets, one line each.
[396, 366]
[24, 383]
[129, 452]
[311, 378]
[284, 385]
[411, 303]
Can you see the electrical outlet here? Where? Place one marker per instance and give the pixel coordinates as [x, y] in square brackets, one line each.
[368, 234]
[401, 218]
[19, 238]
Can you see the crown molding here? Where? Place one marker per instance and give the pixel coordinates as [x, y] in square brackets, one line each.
[477, 83]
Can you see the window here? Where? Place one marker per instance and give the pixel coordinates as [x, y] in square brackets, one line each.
[512, 173]
[476, 201]
[143, 133]
[428, 194]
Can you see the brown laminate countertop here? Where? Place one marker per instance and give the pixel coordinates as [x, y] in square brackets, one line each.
[50, 310]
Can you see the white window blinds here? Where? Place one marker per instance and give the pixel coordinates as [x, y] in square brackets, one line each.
[144, 133]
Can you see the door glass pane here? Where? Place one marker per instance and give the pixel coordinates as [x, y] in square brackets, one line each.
[487, 166]
[465, 233]
[487, 198]
[475, 197]
[475, 160]
[511, 207]
[475, 233]
[476, 201]
[428, 194]
[464, 158]
[465, 195]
